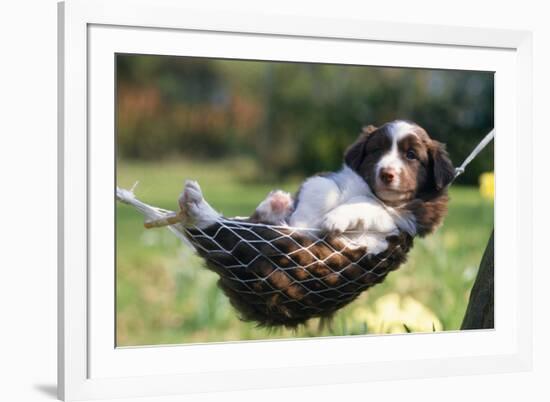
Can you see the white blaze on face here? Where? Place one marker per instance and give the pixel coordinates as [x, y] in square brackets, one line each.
[392, 159]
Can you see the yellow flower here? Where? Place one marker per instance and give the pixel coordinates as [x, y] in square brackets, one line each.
[392, 312]
[487, 185]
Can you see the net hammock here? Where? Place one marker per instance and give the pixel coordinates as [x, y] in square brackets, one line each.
[280, 275]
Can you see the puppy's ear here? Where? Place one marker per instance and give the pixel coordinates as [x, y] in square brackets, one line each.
[356, 152]
[443, 169]
[368, 129]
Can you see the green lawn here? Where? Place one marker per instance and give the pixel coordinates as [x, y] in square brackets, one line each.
[164, 294]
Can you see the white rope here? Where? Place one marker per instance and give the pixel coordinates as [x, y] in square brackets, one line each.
[482, 144]
[293, 228]
[150, 212]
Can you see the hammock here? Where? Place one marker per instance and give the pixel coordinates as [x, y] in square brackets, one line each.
[279, 275]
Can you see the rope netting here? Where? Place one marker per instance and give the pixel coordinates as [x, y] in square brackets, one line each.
[279, 275]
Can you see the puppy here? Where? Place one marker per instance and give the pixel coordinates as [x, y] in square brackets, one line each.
[394, 178]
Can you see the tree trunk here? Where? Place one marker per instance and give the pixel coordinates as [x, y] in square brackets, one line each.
[480, 311]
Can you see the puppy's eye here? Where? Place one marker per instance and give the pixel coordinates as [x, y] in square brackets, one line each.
[410, 154]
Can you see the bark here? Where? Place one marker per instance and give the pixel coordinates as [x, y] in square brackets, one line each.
[480, 310]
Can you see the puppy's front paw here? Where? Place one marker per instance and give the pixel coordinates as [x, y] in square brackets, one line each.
[336, 223]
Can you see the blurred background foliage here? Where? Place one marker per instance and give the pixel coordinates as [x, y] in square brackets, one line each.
[242, 128]
[294, 118]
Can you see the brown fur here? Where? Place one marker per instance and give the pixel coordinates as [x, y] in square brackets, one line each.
[423, 181]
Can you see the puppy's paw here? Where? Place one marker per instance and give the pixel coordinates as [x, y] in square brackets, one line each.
[335, 223]
[194, 208]
[191, 194]
[190, 199]
[274, 209]
[280, 202]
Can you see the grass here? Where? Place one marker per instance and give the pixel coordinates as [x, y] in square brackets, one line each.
[165, 296]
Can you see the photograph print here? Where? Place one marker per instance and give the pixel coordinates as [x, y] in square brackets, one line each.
[272, 200]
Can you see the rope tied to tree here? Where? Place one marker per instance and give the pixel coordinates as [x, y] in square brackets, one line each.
[475, 152]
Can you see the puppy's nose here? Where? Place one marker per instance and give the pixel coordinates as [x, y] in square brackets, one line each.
[387, 175]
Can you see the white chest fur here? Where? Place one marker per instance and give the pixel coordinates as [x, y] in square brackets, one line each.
[343, 202]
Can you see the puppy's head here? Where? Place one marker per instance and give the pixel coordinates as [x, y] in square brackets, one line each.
[400, 162]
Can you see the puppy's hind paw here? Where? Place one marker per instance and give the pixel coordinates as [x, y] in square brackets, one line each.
[191, 194]
[194, 207]
[193, 191]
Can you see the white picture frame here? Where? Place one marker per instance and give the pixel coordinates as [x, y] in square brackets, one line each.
[91, 32]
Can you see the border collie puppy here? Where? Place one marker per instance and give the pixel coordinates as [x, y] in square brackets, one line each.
[394, 179]
[395, 175]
